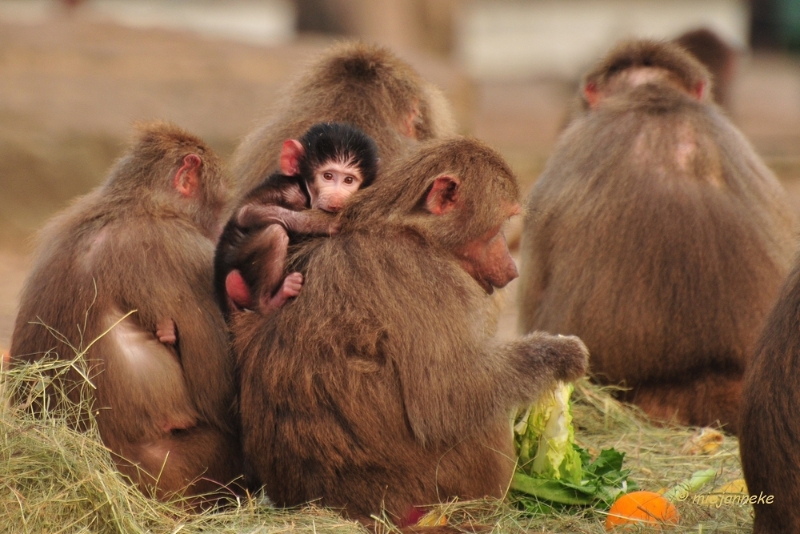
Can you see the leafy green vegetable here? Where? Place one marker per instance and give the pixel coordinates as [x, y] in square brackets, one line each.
[545, 435]
[553, 468]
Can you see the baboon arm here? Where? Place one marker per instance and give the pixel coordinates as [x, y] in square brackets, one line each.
[311, 221]
[454, 393]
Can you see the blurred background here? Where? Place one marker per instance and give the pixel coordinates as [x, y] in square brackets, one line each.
[75, 74]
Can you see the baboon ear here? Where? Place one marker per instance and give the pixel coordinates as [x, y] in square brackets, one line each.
[591, 94]
[291, 152]
[699, 90]
[443, 195]
[187, 178]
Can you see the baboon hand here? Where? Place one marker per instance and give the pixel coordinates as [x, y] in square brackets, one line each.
[565, 356]
[166, 332]
[570, 357]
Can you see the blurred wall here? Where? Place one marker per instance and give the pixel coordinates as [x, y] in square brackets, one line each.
[523, 38]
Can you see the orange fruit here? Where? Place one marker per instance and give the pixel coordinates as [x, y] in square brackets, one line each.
[641, 507]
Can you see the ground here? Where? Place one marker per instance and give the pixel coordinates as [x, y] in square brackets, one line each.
[72, 88]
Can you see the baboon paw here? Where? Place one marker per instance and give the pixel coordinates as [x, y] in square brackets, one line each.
[290, 288]
[292, 285]
[166, 332]
[570, 357]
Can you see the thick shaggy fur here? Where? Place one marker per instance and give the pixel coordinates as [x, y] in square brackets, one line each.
[770, 438]
[366, 86]
[135, 244]
[380, 385]
[658, 236]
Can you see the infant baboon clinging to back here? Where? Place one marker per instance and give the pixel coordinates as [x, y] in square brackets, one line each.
[318, 173]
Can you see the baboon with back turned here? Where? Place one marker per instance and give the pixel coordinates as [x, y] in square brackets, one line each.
[658, 236]
[380, 386]
[143, 242]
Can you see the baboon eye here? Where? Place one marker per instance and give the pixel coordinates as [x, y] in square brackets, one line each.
[349, 179]
[327, 176]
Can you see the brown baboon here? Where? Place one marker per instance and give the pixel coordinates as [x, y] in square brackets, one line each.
[143, 242]
[770, 438]
[380, 386]
[658, 236]
[319, 171]
[366, 86]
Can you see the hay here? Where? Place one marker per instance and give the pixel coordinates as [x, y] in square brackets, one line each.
[54, 479]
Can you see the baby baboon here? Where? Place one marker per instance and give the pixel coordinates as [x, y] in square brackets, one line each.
[318, 171]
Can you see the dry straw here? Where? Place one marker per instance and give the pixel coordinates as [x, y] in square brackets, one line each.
[54, 479]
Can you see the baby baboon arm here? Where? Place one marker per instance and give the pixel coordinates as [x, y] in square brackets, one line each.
[311, 221]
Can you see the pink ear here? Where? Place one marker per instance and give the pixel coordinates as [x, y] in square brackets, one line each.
[187, 178]
[699, 90]
[443, 196]
[291, 153]
[591, 94]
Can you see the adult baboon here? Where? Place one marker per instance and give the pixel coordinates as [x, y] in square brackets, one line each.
[366, 86]
[379, 385]
[143, 242]
[770, 438]
[658, 236]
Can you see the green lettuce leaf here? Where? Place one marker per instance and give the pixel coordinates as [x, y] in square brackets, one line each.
[553, 468]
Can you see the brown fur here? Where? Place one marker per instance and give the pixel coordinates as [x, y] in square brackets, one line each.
[145, 247]
[658, 236]
[611, 75]
[257, 247]
[718, 57]
[770, 439]
[366, 86]
[255, 239]
[380, 386]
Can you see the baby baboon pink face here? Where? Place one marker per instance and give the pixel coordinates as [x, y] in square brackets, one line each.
[334, 182]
